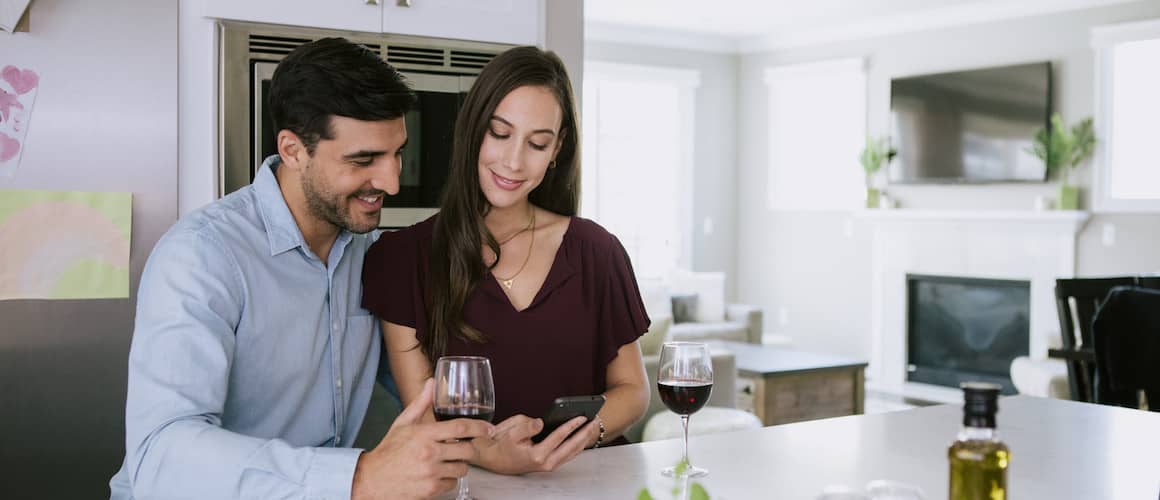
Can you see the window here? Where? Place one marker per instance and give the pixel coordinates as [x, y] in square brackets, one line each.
[1126, 170]
[817, 127]
[637, 153]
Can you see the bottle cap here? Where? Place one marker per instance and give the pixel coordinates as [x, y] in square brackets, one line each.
[980, 404]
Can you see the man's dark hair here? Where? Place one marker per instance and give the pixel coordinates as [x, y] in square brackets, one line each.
[334, 77]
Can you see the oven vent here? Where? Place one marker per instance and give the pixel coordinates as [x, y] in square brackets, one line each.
[444, 60]
[470, 60]
[274, 45]
[418, 56]
[282, 45]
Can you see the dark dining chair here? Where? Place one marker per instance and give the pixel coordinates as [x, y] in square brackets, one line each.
[1077, 300]
[1126, 331]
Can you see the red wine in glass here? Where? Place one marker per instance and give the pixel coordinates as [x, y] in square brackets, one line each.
[463, 389]
[475, 412]
[684, 397]
[685, 381]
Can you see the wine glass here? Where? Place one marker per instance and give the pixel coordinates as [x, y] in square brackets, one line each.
[685, 380]
[463, 389]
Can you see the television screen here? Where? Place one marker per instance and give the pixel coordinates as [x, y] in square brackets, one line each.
[970, 126]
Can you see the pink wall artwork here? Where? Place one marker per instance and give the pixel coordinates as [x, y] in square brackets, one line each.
[17, 93]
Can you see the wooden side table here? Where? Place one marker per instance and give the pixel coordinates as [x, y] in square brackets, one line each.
[788, 385]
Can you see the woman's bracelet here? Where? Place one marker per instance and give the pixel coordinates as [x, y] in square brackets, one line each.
[599, 438]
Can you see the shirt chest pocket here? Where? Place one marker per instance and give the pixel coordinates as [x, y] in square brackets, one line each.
[362, 336]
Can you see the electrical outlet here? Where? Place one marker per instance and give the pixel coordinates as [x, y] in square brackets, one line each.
[1109, 236]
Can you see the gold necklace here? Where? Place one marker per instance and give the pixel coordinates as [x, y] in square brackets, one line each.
[531, 220]
[508, 282]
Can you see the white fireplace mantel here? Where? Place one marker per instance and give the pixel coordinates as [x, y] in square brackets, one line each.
[1065, 218]
[1035, 246]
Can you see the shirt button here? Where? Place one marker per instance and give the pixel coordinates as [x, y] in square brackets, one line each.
[338, 383]
[336, 326]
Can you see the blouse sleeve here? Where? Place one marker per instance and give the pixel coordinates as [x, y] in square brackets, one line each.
[622, 315]
[390, 278]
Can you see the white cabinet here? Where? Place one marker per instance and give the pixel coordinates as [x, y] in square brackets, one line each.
[504, 21]
[351, 15]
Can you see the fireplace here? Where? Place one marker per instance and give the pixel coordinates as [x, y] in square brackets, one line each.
[1035, 247]
[963, 328]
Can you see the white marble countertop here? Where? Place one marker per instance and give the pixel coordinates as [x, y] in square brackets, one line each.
[1060, 450]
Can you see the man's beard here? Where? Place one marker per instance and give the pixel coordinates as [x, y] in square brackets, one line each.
[325, 205]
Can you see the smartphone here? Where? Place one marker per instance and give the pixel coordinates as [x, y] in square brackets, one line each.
[567, 408]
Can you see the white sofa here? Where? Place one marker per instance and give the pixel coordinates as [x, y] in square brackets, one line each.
[742, 323]
[712, 318]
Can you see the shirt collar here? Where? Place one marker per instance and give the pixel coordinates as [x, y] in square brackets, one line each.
[281, 230]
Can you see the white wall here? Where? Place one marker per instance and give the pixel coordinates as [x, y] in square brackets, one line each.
[715, 147]
[815, 266]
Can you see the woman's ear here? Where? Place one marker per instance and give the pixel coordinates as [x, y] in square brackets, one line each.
[291, 149]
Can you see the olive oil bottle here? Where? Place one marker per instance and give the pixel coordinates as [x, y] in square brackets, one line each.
[978, 459]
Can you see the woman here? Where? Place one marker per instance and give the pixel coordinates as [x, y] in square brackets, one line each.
[507, 271]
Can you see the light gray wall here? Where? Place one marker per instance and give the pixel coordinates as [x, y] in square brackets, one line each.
[812, 269]
[105, 119]
[714, 150]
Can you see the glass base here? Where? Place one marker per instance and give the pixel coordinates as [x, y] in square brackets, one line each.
[690, 471]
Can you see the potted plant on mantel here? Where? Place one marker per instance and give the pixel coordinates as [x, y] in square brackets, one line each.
[1063, 149]
[876, 153]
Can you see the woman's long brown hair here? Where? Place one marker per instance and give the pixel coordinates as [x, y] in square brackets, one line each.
[456, 265]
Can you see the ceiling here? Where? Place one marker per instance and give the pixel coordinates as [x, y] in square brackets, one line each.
[731, 25]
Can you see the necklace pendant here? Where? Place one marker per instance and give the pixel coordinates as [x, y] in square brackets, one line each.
[507, 283]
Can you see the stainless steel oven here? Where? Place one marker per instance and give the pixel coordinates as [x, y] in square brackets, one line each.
[440, 71]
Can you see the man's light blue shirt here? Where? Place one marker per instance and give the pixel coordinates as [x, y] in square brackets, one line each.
[252, 361]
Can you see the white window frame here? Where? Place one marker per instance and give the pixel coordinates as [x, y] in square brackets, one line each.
[1104, 39]
[687, 82]
[773, 170]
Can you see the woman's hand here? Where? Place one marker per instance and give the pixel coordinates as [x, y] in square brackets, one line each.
[510, 450]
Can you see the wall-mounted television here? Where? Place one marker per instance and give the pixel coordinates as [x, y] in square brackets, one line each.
[971, 126]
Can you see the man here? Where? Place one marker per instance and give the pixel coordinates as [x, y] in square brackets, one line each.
[252, 360]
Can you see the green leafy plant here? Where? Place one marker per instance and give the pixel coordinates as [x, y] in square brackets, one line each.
[1063, 149]
[876, 153]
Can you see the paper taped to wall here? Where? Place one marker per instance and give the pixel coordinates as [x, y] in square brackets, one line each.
[64, 245]
[17, 94]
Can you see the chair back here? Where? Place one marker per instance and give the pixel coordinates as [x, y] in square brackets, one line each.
[1126, 330]
[1076, 300]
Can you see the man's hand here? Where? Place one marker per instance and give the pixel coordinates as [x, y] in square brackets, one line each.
[416, 460]
[511, 450]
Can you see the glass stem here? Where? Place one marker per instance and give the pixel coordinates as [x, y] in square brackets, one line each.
[462, 489]
[685, 425]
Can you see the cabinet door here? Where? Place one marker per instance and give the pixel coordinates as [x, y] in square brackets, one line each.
[502, 21]
[352, 15]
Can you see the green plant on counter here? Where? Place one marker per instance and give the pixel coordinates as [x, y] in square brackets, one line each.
[694, 490]
[1063, 149]
[875, 154]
